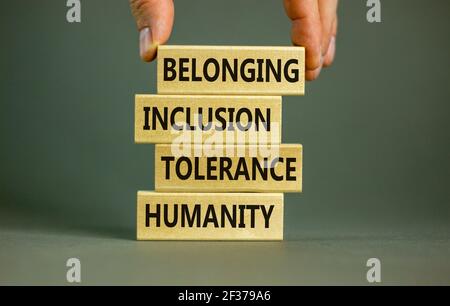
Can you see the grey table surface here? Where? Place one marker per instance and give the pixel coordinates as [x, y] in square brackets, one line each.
[34, 254]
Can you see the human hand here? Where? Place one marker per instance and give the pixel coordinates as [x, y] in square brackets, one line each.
[154, 19]
[314, 26]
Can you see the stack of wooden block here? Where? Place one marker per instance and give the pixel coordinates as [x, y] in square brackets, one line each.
[220, 166]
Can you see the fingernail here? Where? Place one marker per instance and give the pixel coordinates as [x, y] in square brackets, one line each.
[333, 45]
[329, 57]
[146, 44]
[311, 75]
[317, 72]
[332, 42]
[321, 57]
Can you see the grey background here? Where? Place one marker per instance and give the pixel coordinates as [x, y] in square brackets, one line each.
[375, 131]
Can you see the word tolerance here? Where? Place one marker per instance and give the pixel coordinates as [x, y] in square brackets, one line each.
[229, 168]
[220, 168]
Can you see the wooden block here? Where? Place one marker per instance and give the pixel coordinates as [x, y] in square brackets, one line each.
[209, 216]
[231, 70]
[241, 168]
[201, 119]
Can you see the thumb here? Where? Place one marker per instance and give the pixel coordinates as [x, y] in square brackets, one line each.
[154, 19]
[307, 31]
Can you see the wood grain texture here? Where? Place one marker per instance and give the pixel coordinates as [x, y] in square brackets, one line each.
[228, 168]
[225, 119]
[209, 216]
[231, 70]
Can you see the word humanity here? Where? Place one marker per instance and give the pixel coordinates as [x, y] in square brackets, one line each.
[233, 216]
[183, 215]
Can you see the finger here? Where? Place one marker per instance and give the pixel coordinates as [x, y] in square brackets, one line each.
[306, 29]
[327, 10]
[154, 19]
[311, 75]
[331, 53]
